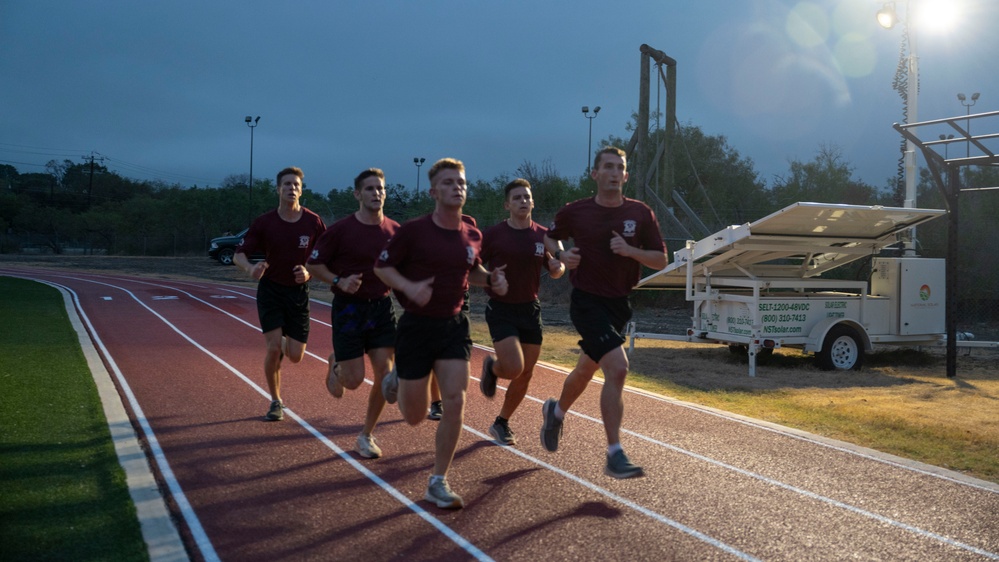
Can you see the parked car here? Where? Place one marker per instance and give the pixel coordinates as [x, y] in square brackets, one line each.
[223, 248]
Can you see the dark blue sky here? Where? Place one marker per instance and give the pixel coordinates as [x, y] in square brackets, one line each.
[162, 88]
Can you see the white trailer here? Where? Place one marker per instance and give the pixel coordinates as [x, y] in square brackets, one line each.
[757, 286]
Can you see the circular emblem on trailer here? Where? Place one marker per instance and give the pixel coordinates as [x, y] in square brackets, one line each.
[924, 292]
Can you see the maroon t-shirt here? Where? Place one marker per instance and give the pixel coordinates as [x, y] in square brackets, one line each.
[285, 244]
[349, 246]
[601, 271]
[420, 249]
[522, 251]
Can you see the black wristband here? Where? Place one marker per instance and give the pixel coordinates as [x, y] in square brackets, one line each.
[489, 280]
[558, 255]
[336, 279]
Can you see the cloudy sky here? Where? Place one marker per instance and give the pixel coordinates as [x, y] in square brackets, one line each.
[161, 89]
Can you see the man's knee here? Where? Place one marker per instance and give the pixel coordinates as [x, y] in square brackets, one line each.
[352, 373]
[292, 349]
[509, 367]
[615, 366]
[413, 416]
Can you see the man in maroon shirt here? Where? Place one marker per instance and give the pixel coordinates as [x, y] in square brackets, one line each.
[363, 315]
[613, 237]
[285, 236]
[514, 319]
[429, 263]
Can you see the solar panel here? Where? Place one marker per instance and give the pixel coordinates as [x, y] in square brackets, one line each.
[801, 240]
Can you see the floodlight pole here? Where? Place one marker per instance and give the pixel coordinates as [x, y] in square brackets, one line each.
[912, 95]
[419, 162]
[589, 144]
[252, 124]
[967, 104]
[887, 19]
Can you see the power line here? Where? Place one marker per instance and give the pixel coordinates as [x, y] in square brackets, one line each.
[23, 163]
[157, 175]
[145, 169]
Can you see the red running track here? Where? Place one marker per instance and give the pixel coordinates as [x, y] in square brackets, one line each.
[718, 487]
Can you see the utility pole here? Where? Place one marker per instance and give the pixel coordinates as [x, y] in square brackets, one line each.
[90, 188]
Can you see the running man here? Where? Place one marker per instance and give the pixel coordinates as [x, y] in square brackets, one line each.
[514, 319]
[285, 236]
[363, 315]
[614, 236]
[429, 263]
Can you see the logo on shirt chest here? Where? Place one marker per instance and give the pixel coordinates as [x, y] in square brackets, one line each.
[539, 249]
[629, 228]
[471, 255]
[303, 241]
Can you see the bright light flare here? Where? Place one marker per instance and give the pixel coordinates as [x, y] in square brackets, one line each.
[938, 16]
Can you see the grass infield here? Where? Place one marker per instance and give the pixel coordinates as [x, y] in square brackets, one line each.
[64, 493]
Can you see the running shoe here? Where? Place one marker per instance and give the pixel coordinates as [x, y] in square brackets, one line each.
[390, 386]
[367, 448]
[440, 494]
[502, 432]
[618, 466]
[276, 413]
[487, 382]
[436, 411]
[333, 384]
[551, 429]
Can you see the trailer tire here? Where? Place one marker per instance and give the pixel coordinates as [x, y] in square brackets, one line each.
[842, 350]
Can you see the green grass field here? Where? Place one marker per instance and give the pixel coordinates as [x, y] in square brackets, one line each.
[64, 493]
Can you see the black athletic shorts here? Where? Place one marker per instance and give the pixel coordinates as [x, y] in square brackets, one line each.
[360, 325]
[421, 340]
[281, 306]
[522, 320]
[600, 321]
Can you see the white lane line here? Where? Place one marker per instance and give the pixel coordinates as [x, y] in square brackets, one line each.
[402, 498]
[754, 475]
[187, 512]
[818, 497]
[757, 476]
[163, 542]
[620, 499]
[788, 487]
[812, 439]
[201, 538]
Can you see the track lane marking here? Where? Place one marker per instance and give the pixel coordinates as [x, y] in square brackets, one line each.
[201, 537]
[812, 495]
[447, 531]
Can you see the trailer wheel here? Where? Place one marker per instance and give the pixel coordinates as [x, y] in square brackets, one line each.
[842, 350]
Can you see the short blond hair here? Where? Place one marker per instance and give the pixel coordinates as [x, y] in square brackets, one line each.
[444, 164]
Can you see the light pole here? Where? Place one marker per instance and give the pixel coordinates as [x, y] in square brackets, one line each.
[589, 144]
[419, 162]
[967, 126]
[252, 124]
[887, 18]
[946, 145]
